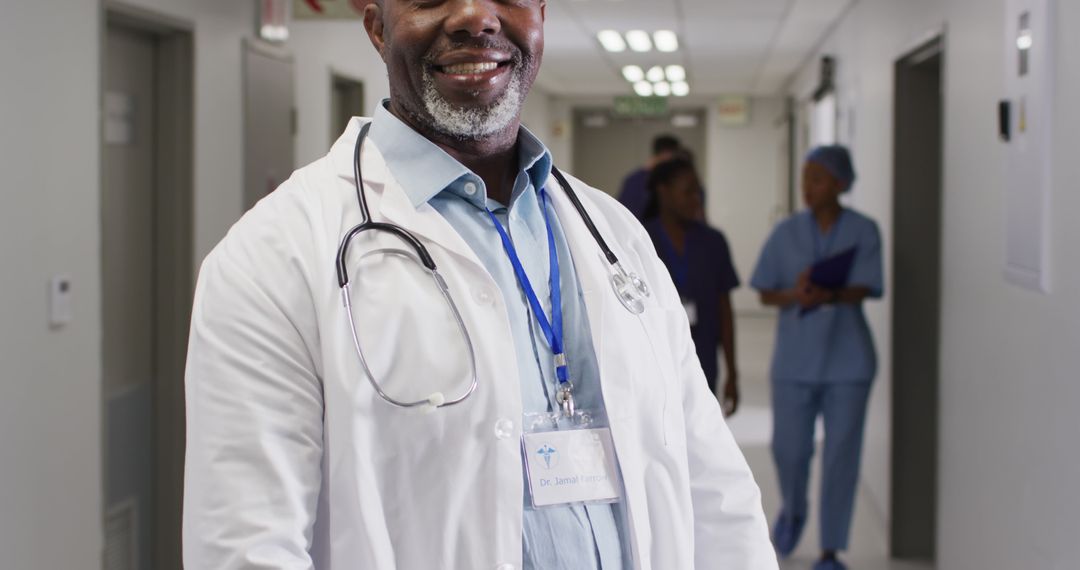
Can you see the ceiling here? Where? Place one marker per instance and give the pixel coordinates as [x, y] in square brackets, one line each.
[727, 46]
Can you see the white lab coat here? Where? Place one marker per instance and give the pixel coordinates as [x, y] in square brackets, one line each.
[293, 462]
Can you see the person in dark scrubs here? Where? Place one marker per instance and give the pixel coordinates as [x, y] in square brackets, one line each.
[698, 258]
[635, 187]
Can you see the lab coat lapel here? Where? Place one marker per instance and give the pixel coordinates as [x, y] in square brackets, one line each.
[388, 200]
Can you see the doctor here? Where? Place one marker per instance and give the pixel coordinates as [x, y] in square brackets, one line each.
[542, 412]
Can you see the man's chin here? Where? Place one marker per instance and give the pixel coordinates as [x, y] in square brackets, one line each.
[473, 118]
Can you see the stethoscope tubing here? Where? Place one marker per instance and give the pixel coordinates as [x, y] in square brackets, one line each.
[628, 287]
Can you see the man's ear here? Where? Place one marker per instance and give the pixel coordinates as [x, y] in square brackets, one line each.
[373, 23]
[543, 10]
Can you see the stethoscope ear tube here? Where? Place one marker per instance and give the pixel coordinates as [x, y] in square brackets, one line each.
[610, 255]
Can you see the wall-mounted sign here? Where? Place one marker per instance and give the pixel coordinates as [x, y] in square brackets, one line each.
[733, 110]
[634, 106]
[329, 9]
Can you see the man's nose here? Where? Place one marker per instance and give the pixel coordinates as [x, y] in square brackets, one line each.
[473, 17]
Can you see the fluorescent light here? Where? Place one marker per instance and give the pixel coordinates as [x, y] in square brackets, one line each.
[676, 73]
[633, 73]
[663, 88]
[639, 40]
[655, 73]
[666, 40]
[611, 40]
[643, 88]
[680, 89]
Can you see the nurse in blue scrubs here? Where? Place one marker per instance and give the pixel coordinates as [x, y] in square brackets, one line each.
[824, 359]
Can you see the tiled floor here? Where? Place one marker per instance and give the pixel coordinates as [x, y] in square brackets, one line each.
[752, 427]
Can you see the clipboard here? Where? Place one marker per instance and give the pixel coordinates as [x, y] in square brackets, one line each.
[831, 273]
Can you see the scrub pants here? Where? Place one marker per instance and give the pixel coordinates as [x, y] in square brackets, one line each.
[795, 409]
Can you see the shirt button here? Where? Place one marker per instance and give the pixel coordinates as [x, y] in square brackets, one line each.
[482, 296]
[504, 428]
[470, 188]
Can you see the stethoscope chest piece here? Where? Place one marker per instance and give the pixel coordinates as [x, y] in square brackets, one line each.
[630, 289]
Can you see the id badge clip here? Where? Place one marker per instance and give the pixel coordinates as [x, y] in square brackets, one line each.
[569, 460]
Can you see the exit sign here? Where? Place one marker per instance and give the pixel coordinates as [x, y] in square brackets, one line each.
[631, 106]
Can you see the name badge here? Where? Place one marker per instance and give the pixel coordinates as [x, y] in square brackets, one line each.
[571, 466]
[691, 311]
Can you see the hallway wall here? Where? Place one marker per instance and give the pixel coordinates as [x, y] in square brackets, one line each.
[49, 428]
[1008, 392]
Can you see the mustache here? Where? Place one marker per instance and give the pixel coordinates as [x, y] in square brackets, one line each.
[516, 55]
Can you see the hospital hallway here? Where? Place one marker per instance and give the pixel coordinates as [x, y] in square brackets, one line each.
[752, 428]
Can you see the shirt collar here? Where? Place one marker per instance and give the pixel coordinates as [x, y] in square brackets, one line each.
[424, 170]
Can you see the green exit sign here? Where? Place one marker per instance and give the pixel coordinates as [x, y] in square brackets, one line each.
[633, 106]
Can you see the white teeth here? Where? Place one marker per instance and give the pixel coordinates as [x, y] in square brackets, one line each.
[470, 68]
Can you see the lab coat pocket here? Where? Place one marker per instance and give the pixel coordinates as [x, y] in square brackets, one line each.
[661, 326]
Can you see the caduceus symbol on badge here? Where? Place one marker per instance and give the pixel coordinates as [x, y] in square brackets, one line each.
[548, 453]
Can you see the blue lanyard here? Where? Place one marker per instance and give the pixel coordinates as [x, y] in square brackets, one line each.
[820, 253]
[553, 330]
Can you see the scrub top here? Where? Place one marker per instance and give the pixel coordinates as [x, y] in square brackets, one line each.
[635, 192]
[832, 343]
[701, 274]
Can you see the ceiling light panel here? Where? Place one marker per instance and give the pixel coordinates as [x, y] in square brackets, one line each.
[639, 41]
[663, 89]
[643, 88]
[666, 41]
[633, 73]
[612, 41]
[655, 73]
[680, 89]
[675, 73]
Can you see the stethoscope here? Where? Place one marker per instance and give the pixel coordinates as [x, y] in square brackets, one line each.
[629, 288]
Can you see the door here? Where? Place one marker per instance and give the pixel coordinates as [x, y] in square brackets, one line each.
[916, 299]
[346, 102]
[147, 285]
[128, 299]
[269, 119]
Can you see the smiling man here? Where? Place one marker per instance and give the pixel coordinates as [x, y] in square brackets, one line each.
[496, 373]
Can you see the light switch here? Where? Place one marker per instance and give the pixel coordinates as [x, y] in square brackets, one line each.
[60, 310]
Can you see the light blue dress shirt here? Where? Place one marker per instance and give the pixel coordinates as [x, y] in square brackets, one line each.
[555, 538]
[832, 343]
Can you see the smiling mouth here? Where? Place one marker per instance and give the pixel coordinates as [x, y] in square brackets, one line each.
[471, 68]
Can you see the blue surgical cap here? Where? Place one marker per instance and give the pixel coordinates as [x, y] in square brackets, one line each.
[837, 160]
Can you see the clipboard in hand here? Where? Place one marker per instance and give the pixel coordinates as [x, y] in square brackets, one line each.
[831, 273]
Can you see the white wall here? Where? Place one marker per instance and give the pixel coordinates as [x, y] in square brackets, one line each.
[1009, 357]
[745, 188]
[1008, 462]
[50, 499]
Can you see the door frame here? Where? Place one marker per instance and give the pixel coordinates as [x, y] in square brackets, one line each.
[923, 485]
[174, 262]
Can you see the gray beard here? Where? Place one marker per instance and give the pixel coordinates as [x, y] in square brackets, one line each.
[476, 122]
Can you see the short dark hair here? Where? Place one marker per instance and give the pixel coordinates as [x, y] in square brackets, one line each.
[665, 143]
